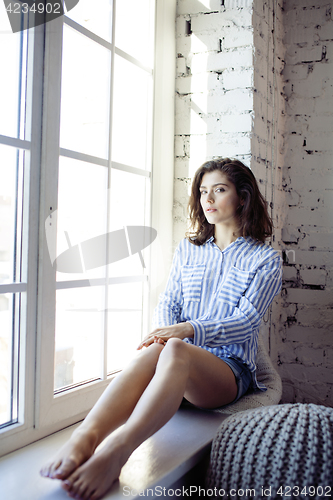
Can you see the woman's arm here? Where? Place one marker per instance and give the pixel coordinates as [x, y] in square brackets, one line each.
[246, 315]
[162, 334]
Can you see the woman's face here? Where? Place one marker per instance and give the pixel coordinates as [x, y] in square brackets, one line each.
[219, 199]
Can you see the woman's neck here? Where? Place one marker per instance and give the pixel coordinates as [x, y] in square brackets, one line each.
[224, 236]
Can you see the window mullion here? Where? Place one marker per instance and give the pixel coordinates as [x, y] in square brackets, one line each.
[108, 222]
[48, 204]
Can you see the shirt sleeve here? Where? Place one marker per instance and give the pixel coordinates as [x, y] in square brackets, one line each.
[169, 307]
[247, 314]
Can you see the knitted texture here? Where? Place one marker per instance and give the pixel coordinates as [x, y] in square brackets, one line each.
[278, 446]
[266, 374]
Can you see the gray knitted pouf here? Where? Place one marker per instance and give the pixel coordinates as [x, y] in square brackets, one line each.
[278, 451]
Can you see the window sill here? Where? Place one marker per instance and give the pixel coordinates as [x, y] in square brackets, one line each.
[161, 461]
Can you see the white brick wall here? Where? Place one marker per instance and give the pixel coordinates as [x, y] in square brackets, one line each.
[304, 350]
[214, 90]
[255, 81]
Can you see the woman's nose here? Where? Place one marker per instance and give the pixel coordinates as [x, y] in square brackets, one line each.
[210, 198]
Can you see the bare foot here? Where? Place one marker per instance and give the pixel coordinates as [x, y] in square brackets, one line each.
[75, 452]
[96, 476]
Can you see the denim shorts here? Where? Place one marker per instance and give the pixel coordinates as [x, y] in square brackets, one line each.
[242, 374]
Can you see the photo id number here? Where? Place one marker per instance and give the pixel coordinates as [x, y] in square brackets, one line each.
[35, 8]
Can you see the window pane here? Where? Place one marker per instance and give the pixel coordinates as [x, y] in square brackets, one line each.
[132, 115]
[96, 18]
[8, 357]
[79, 335]
[11, 58]
[127, 208]
[124, 323]
[84, 124]
[134, 29]
[82, 209]
[10, 211]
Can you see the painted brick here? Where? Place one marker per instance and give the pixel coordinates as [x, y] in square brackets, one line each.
[204, 43]
[183, 85]
[313, 276]
[302, 216]
[227, 145]
[241, 78]
[311, 87]
[237, 37]
[321, 240]
[190, 7]
[328, 356]
[305, 55]
[221, 60]
[182, 167]
[313, 297]
[184, 45]
[312, 15]
[181, 65]
[298, 72]
[323, 105]
[236, 123]
[293, 4]
[308, 335]
[297, 105]
[289, 235]
[289, 273]
[215, 22]
[300, 34]
[325, 31]
[316, 317]
[306, 374]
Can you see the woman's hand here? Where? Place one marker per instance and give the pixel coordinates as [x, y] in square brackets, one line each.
[164, 333]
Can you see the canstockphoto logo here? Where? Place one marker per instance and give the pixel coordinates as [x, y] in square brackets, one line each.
[38, 12]
[100, 250]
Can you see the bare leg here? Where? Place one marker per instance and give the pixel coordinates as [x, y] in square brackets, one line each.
[181, 369]
[111, 410]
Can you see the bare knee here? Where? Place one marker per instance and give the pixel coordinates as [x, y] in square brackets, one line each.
[176, 350]
[148, 357]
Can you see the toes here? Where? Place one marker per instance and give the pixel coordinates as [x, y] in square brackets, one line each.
[64, 469]
[48, 470]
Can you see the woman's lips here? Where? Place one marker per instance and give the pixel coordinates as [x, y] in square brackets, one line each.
[211, 210]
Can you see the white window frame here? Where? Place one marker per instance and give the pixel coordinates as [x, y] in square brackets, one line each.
[39, 411]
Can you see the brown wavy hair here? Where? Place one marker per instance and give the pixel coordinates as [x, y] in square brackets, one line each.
[252, 213]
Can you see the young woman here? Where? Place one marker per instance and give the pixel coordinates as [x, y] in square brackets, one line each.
[204, 343]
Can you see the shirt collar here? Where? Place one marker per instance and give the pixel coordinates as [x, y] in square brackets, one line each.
[240, 240]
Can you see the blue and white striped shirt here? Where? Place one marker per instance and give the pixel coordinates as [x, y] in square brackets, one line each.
[223, 294]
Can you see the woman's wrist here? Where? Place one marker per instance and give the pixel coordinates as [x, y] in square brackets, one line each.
[189, 330]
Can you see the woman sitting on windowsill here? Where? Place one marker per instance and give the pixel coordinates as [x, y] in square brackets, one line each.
[204, 343]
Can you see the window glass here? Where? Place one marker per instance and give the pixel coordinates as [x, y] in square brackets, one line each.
[127, 208]
[132, 115]
[10, 58]
[81, 216]
[9, 212]
[85, 95]
[79, 336]
[96, 17]
[134, 29]
[8, 357]
[124, 323]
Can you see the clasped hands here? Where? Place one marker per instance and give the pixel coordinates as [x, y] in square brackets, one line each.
[162, 334]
